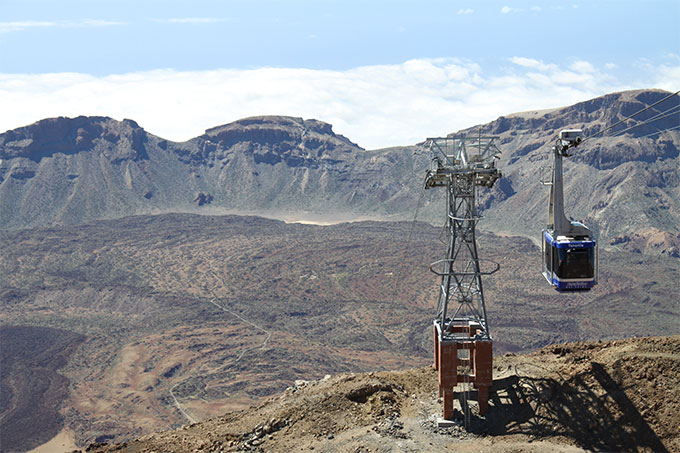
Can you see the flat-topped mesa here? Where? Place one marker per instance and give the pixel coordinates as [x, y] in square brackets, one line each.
[283, 136]
[117, 140]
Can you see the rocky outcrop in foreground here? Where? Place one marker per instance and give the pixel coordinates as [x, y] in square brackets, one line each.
[607, 396]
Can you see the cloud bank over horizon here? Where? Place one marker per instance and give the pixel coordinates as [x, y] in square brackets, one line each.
[374, 106]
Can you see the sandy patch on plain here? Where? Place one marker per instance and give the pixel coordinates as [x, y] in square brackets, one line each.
[61, 443]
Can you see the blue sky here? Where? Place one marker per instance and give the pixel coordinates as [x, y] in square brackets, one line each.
[383, 73]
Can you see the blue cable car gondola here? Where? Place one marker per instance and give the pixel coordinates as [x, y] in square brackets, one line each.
[569, 264]
[569, 251]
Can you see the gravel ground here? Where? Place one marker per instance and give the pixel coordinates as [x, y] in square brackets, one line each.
[606, 396]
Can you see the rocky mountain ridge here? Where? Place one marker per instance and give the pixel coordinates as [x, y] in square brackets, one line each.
[70, 171]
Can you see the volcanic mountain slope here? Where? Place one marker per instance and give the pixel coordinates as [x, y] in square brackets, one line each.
[186, 317]
[68, 171]
[613, 396]
[627, 188]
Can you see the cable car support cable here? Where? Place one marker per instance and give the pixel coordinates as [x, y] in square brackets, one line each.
[629, 117]
[650, 120]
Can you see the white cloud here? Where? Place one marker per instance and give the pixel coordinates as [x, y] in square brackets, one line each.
[8, 27]
[526, 62]
[94, 23]
[464, 11]
[668, 78]
[582, 66]
[375, 106]
[665, 75]
[533, 63]
[507, 9]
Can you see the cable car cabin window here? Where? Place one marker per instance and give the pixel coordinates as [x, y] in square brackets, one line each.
[548, 257]
[575, 263]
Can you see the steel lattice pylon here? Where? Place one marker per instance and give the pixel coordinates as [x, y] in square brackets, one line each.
[461, 164]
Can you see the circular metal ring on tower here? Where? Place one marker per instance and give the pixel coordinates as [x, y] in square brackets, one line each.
[441, 274]
[476, 218]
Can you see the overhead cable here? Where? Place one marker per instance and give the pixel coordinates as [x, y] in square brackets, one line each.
[631, 116]
[661, 131]
[657, 117]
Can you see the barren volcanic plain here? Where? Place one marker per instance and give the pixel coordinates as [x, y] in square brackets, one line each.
[185, 317]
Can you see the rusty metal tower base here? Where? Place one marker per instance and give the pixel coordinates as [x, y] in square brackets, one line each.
[463, 346]
[473, 367]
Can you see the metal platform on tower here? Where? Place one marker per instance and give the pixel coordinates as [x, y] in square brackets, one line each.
[462, 341]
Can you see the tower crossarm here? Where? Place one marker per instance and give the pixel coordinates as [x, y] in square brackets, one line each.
[456, 156]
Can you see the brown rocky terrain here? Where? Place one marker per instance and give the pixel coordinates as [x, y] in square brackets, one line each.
[650, 240]
[31, 387]
[603, 396]
[186, 317]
